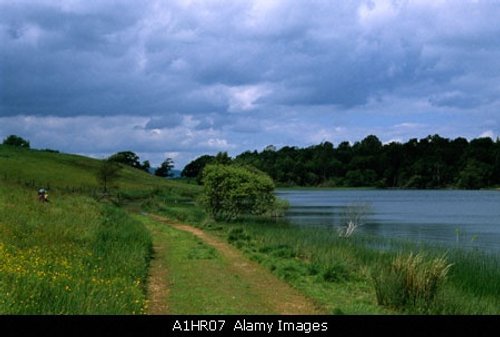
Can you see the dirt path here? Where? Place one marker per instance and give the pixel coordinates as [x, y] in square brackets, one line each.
[157, 285]
[278, 294]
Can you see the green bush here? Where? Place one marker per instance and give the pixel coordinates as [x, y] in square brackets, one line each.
[231, 191]
[410, 282]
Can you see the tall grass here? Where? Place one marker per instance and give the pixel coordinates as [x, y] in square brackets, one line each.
[69, 256]
[175, 203]
[411, 281]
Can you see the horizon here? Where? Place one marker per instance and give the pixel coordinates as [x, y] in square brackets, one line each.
[187, 78]
[178, 170]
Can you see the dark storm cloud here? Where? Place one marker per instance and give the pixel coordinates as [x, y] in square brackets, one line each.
[56, 62]
[142, 59]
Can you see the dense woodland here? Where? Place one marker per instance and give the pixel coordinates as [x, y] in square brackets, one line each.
[431, 162]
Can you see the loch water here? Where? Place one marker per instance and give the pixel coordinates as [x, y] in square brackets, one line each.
[463, 218]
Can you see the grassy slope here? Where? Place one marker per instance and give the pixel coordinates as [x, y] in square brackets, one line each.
[73, 254]
[68, 172]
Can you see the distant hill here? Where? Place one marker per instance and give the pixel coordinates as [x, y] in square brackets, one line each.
[176, 173]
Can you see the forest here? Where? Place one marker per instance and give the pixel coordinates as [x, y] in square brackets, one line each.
[427, 163]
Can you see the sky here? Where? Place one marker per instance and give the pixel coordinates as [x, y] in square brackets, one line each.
[183, 78]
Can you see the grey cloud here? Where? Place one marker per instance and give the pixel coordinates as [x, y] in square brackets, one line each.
[60, 29]
[169, 121]
[93, 61]
[204, 124]
[214, 121]
[458, 100]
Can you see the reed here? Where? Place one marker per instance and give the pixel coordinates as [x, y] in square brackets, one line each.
[411, 282]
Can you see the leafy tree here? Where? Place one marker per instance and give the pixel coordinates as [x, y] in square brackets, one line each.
[496, 165]
[360, 178]
[230, 191]
[392, 161]
[128, 158]
[344, 153]
[475, 175]
[249, 158]
[222, 158]
[107, 174]
[146, 166]
[16, 141]
[165, 169]
[371, 145]
[324, 160]
[482, 150]
[271, 148]
[195, 168]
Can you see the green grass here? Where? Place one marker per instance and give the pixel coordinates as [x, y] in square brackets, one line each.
[70, 256]
[337, 272]
[412, 281]
[75, 254]
[68, 173]
[323, 272]
[200, 280]
[474, 283]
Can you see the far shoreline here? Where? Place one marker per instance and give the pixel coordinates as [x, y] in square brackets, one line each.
[372, 188]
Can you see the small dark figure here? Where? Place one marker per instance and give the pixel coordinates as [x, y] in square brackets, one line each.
[43, 196]
[40, 194]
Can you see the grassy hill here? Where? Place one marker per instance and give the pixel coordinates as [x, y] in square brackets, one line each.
[75, 254]
[69, 172]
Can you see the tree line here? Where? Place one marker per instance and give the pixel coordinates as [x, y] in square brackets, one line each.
[131, 159]
[431, 162]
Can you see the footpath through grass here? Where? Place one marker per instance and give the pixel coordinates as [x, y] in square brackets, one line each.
[332, 279]
[334, 286]
[198, 278]
[205, 276]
